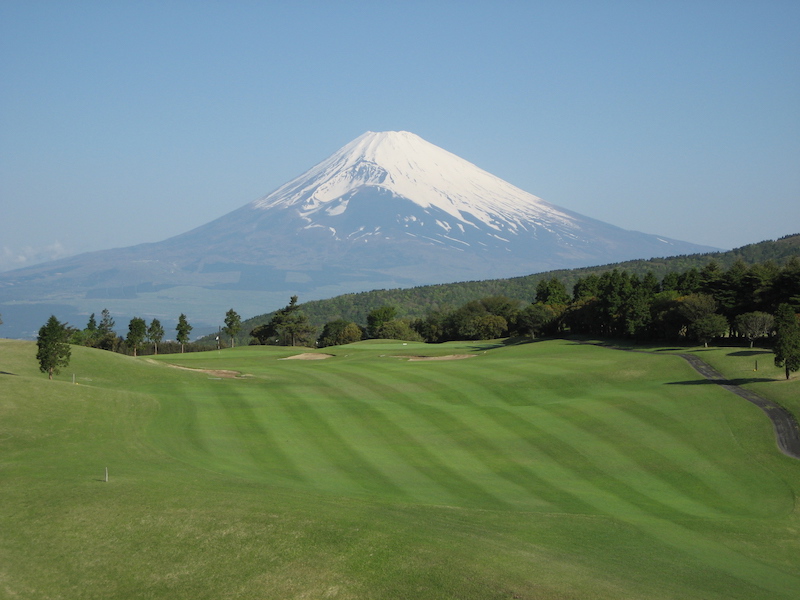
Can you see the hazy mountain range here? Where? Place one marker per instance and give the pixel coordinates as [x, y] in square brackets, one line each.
[387, 210]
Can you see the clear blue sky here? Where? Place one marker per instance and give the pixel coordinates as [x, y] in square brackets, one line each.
[129, 122]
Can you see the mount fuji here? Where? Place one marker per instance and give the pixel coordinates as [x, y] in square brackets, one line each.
[388, 209]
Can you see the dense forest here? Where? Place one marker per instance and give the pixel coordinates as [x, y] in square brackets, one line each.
[421, 301]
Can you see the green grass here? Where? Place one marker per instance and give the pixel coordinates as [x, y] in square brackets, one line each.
[739, 364]
[546, 470]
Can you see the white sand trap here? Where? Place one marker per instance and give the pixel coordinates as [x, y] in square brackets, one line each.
[308, 356]
[215, 372]
[446, 357]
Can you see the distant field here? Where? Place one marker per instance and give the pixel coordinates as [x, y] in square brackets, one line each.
[545, 470]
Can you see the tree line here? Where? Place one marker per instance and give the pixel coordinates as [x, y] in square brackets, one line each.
[55, 338]
[697, 305]
[742, 301]
[417, 302]
[141, 336]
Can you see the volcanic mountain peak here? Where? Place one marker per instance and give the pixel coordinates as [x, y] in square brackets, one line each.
[407, 166]
[386, 210]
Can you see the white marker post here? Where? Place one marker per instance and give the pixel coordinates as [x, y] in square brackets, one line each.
[106, 474]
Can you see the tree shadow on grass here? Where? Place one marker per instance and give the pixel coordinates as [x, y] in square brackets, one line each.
[482, 347]
[750, 353]
[7, 373]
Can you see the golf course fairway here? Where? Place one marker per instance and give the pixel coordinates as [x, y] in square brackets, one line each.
[547, 470]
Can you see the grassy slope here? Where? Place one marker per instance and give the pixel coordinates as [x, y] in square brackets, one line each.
[546, 470]
[739, 364]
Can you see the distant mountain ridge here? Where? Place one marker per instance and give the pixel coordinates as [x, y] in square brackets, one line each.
[386, 210]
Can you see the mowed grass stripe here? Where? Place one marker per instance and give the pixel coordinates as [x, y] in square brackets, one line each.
[662, 524]
[637, 449]
[595, 445]
[578, 449]
[349, 470]
[557, 462]
[683, 469]
[176, 428]
[254, 434]
[357, 419]
[426, 446]
[635, 461]
[511, 482]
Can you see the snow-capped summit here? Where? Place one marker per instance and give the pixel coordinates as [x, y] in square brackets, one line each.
[395, 203]
[405, 165]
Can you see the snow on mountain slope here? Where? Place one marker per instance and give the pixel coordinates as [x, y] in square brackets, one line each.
[409, 167]
[389, 200]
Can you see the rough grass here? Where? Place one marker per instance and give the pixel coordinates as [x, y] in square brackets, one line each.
[547, 470]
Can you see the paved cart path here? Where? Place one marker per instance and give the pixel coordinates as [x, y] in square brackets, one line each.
[787, 433]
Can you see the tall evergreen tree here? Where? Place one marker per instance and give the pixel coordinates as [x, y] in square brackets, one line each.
[586, 287]
[53, 350]
[184, 329]
[551, 291]
[233, 323]
[155, 333]
[90, 337]
[787, 342]
[137, 330]
[106, 339]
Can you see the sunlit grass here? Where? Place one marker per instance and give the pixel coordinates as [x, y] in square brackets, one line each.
[545, 470]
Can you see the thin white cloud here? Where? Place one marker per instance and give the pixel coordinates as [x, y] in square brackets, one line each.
[16, 258]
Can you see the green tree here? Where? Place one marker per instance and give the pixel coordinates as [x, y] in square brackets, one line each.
[184, 329]
[707, 327]
[787, 341]
[636, 314]
[614, 288]
[264, 333]
[289, 325]
[137, 330]
[433, 328]
[754, 325]
[398, 329]
[489, 327]
[106, 339]
[586, 287]
[53, 350]
[551, 291]
[155, 333]
[534, 318]
[233, 323]
[377, 317]
[339, 332]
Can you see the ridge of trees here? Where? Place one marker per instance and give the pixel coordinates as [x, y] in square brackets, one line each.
[417, 302]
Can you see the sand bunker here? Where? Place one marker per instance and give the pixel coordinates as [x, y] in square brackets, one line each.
[308, 356]
[446, 357]
[214, 372]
